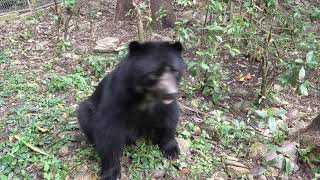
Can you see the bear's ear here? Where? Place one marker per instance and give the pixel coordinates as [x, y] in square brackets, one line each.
[135, 47]
[177, 46]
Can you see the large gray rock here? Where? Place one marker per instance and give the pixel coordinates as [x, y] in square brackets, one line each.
[108, 44]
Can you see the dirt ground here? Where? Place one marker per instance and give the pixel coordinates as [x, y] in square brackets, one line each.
[33, 45]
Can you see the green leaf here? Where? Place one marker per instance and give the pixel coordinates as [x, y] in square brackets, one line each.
[288, 167]
[204, 66]
[272, 124]
[46, 167]
[303, 90]
[302, 74]
[310, 58]
[298, 61]
[262, 114]
[278, 112]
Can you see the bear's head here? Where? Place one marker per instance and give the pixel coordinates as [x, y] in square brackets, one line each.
[157, 69]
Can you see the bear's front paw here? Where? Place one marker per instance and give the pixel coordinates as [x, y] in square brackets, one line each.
[111, 174]
[171, 150]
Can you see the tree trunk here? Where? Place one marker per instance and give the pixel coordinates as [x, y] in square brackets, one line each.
[162, 14]
[314, 125]
[122, 9]
[309, 136]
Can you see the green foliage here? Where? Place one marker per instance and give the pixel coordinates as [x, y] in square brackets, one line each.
[145, 158]
[270, 118]
[63, 82]
[3, 57]
[209, 75]
[63, 46]
[99, 64]
[229, 132]
[276, 36]
[69, 3]
[204, 162]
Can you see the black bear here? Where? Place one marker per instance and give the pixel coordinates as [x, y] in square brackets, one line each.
[137, 99]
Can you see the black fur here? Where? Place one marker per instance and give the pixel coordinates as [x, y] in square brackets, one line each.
[124, 107]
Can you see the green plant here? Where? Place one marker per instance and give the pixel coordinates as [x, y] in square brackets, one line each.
[99, 64]
[271, 119]
[3, 57]
[62, 82]
[146, 158]
[209, 75]
[229, 132]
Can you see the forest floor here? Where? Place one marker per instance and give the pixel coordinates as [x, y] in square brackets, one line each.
[42, 81]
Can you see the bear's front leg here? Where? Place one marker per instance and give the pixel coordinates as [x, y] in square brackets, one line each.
[109, 146]
[167, 143]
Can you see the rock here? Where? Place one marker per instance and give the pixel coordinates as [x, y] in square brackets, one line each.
[71, 56]
[158, 174]
[41, 46]
[184, 146]
[277, 88]
[234, 163]
[197, 130]
[258, 149]
[218, 176]
[257, 170]
[84, 26]
[234, 167]
[83, 173]
[84, 176]
[237, 171]
[288, 148]
[63, 151]
[262, 177]
[242, 105]
[281, 102]
[108, 44]
[293, 114]
[240, 92]
[231, 158]
[237, 106]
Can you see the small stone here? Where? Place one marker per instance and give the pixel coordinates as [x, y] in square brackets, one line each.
[218, 176]
[41, 46]
[288, 148]
[240, 92]
[237, 106]
[184, 146]
[258, 149]
[257, 170]
[85, 176]
[197, 130]
[71, 56]
[246, 106]
[158, 174]
[231, 158]
[293, 114]
[262, 177]
[63, 151]
[277, 88]
[237, 170]
[108, 44]
[234, 163]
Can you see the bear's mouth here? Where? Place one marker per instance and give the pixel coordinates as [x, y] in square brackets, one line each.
[167, 99]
